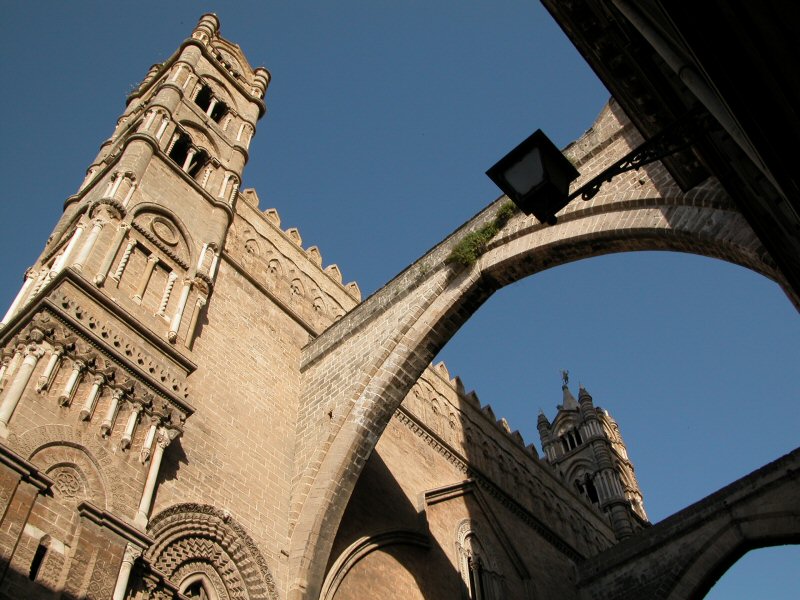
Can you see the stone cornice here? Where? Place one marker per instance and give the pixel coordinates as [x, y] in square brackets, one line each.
[69, 318]
[411, 422]
[29, 472]
[104, 519]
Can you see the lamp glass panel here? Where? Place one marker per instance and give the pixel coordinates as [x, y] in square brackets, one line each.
[526, 173]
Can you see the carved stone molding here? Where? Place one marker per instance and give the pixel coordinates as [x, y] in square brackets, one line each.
[158, 243]
[130, 347]
[526, 513]
[205, 534]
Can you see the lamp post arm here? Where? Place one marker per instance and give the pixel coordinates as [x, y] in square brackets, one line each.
[678, 136]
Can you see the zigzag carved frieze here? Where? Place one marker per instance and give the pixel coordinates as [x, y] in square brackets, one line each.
[198, 531]
[594, 539]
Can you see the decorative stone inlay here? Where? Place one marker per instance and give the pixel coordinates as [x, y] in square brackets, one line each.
[66, 482]
[164, 230]
[129, 347]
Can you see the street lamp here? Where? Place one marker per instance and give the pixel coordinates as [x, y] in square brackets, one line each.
[536, 176]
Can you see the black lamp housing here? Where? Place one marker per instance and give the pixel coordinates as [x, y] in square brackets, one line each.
[536, 176]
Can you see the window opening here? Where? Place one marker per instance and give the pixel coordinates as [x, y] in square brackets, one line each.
[36, 563]
[198, 162]
[586, 487]
[219, 111]
[198, 587]
[203, 98]
[180, 150]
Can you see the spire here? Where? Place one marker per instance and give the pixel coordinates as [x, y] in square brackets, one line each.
[542, 419]
[569, 402]
[584, 395]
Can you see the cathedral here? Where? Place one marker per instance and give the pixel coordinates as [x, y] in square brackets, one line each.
[150, 397]
[192, 405]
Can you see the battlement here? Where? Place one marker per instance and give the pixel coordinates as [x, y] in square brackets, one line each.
[275, 260]
[452, 420]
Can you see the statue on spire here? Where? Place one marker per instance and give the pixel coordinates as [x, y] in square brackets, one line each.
[565, 377]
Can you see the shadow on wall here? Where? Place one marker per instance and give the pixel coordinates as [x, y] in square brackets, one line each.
[383, 548]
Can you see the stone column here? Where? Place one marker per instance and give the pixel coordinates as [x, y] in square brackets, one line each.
[189, 157]
[150, 116]
[62, 260]
[111, 413]
[127, 435]
[123, 261]
[29, 279]
[224, 187]
[147, 446]
[163, 127]
[11, 359]
[162, 307]
[129, 194]
[175, 324]
[47, 375]
[32, 355]
[91, 399]
[97, 226]
[211, 106]
[152, 261]
[132, 552]
[6, 361]
[163, 438]
[198, 307]
[78, 366]
[122, 231]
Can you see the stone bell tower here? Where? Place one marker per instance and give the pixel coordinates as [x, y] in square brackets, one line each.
[148, 223]
[97, 345]
[583, 444]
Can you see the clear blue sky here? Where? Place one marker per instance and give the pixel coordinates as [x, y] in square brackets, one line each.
[382, 118]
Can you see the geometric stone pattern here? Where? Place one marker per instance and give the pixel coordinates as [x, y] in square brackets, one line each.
[190, 533]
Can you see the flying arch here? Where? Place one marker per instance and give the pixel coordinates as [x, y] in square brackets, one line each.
[408, 321]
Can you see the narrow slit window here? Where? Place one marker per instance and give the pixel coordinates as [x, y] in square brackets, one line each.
[36, 563]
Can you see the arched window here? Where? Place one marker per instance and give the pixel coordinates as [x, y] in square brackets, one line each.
[180, 149]
[38, 559]
[203, 98]
[212, 106]
[586, 487]
[188, 157]
[198, 587]
[479, 575]
[571, 440]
